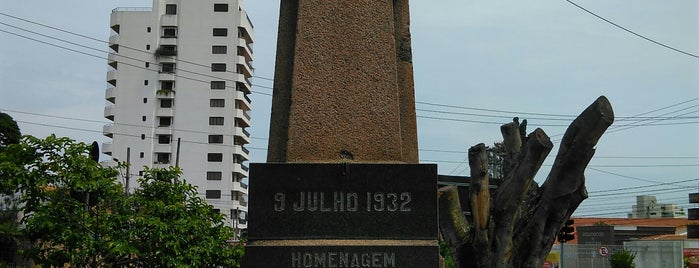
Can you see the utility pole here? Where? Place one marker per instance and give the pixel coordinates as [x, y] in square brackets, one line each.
[128, 170]
[177, 154]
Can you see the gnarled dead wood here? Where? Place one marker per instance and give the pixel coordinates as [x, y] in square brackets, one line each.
[522, 218]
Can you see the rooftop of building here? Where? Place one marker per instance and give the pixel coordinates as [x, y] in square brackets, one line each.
[679, 223]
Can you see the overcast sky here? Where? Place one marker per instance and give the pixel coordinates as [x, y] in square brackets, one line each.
[476, 63]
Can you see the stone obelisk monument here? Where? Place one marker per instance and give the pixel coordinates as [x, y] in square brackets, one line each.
[342, 186]
[343, 83]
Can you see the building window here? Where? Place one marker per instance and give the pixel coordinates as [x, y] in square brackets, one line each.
[220, 7]
[145, 82]
[147, 64]
[166, 50]
[215, 138]
[219, 49]
[216, 210]
[218, 84]
[164, 121]
[140, 173]
[214, 175]
[164, 139]
[147, 47]
[216, 121]
[167, 85]
[217, 103]
[165, 103]
[148, 29]
[143, 118]
[169, 32]
[167, 68]
[214, 157]
[220, 31]
[145, 100]
[141, 155]
[218, 67]
[162, 158]
[171, 9]
[213, 194]
[143, 136]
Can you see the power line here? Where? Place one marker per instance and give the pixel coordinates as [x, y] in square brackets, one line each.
[632, 32]
[197, 73]
[133, 135]
[102, 41]
[121, 56]
[117, 124]
[613, 128]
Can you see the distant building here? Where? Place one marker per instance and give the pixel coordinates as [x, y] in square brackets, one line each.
[647, 207]
[182, 70]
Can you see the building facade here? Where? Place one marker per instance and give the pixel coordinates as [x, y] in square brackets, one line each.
[177, 94]
[647, 207]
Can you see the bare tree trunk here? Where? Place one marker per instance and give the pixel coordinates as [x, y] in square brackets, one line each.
[517, 227]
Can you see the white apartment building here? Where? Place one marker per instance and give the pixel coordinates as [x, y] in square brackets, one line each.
[647, 207]
[180, 71]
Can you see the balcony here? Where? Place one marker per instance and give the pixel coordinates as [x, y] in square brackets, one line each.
[112, 60]
[242, 101]
[115, 21]
[165, 148]
[243, 67]
[244, 50]
[245, 34]
[168, 41]
[242, 151]
[163, 130]
[109, 112]
[241, 136]
[244, 80]
[163, 111]
[166, 76]
[168, 20]
[108, 130]
[166, 51]
[242, 118]
[107, 148]
[240, 187]
[243, 87]
[114, 42]
[240, 169]
[110, 94]
[112, 77]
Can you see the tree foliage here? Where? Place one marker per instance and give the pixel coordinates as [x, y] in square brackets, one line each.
[76, 212]
[623, 258]
[9, 131]
[180, 226]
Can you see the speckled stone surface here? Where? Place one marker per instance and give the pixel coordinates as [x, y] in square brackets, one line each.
[343, 87]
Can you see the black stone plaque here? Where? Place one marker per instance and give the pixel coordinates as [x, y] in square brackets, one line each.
[342, 256]
[339, 201]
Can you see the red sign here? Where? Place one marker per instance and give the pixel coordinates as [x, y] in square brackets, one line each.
[603, 251]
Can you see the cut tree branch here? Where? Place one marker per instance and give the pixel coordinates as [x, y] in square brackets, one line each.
[517, 227]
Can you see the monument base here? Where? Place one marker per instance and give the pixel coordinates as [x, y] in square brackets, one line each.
[346, 253]
[342, 215]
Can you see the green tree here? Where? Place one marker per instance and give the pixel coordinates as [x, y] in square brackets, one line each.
[76, 212]
[173, 227]
[9, 131]
[72, 205]
[623, 258]
[9, 226]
